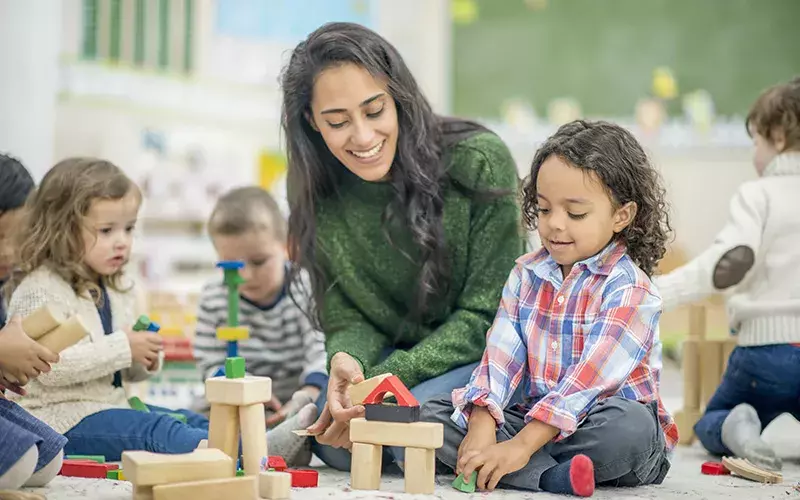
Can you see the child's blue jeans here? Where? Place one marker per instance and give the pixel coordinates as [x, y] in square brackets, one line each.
[110, 432]
[765, 377]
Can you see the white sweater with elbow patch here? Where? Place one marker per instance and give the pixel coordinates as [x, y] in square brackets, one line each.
[81, 383]
[763, 301]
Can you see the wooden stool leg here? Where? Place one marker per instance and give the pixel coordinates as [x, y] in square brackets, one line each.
[254, 438]
[420, 466]
[223, 431]
[365, 468]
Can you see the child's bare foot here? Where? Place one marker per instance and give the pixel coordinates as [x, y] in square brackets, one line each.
[741, 433]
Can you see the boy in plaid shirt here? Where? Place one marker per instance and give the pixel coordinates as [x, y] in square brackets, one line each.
[578, 327]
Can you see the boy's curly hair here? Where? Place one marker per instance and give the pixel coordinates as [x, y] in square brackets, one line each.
[52, 232]
[777, 110]
[618, 160]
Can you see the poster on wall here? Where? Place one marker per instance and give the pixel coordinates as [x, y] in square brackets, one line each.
[253, 38]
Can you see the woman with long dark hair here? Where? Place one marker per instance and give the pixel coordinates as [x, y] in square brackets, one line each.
[406, 221]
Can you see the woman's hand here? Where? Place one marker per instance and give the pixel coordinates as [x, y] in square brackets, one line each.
[333, 426]
[21, 358]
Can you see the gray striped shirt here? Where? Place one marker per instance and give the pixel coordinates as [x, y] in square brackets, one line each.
[283, 344]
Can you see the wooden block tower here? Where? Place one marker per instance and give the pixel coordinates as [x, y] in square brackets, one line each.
[237, 401]
[393, 425]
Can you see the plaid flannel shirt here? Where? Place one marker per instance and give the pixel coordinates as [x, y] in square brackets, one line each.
[571, 341]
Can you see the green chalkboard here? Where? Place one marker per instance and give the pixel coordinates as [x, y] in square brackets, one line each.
[603, 52]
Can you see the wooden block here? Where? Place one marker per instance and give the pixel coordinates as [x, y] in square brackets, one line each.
[465, 486]
[365, 466]
[100, 459]
[685, 420]
[254, 438]
[223, 431]
[65, 335]
[691, 374]
[142, 492]
[274, 485]
[238, 392]
[304, 478]
[744, 468]
[391, 413]
[426, 435]
[420, 468]
[277, 463]
[44, 320]
[83, 469]
[234, 367]
[391, 385]
[710, 369]
[233, 488]
[231, 333]
[144, 468]
[361, 390]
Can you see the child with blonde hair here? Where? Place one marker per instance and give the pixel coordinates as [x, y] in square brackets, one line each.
[75, 242]
[577, 330]
[755, 262]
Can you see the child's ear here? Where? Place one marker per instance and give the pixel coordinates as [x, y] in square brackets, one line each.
[310, 120]
[624, 215]
[778, 139]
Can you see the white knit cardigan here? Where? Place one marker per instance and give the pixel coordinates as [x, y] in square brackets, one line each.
[81, 383]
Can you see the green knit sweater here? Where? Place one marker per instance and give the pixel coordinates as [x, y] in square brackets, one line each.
[365, 311]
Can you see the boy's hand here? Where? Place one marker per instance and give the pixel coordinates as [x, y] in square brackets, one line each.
[482, 433]
[21, 358]
[495, 462]
[145, 347]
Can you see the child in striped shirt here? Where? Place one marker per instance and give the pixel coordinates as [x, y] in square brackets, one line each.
[577, 327]
[247, 225]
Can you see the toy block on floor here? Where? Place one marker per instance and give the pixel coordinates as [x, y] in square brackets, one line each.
[83, 468]
[44, 320]
[361, 390]
[274, 485]
[235, 488]
[100, 459]
[223, 431]
[234, 367]
[420, 471]
[304, 478]
[142, 492]
[252, 423]
[426, 435]
[395, 386]
[466, 486]
[113, 474]
[392, 413]
[277, 463]
[238, 392]
[144, 468]
[366, 466]
[233, 333]
[744, 468]
[138, 405]
[65, 335]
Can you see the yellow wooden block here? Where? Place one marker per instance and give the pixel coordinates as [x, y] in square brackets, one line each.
[274, 485]
[365, 466]
[223, 431]
[142, 492]
[229, 333]
[254, 439]
[238, 391]
[44, 320]
[427, 435]
[420, 466]
[238, 488]
[144, 468]
[65, 335]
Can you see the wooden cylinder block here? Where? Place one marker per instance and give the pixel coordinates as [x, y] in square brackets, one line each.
[66, 335]
[44, 320]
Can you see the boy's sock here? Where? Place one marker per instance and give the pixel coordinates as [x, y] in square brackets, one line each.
[46, 474]
[741, 433]
[282, 441]
[21, 471]
[575, 477]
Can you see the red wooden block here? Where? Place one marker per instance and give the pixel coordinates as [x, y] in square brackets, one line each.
[395, 386]
[85, 468]
[277, 463]
[714, 469]
[304, 478]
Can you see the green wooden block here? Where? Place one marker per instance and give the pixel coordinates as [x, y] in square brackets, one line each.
[141, 324]
[234, 367]
[138, 405]
[113, 474]
[239, 473]
[178, 416]
[466, 486]
[100, 459]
